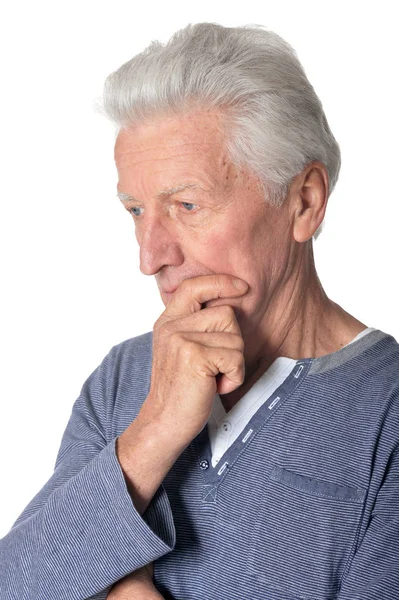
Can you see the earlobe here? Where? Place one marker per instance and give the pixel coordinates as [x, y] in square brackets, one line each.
[302, 227]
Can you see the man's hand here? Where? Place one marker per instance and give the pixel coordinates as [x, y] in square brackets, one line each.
[191, 347]
[136, 586]
[197, 350]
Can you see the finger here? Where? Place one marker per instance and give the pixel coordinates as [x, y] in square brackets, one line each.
[193, 292]
[209, 320]
[224, 385]
[231, 341]
[226, 361]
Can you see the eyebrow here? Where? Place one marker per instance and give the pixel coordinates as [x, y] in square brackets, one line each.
[123, 197]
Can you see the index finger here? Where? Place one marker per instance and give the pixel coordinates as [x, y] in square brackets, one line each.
[193, 292]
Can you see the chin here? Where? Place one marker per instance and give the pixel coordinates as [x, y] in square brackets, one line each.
[166, 297]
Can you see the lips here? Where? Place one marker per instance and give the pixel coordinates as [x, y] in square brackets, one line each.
[170, 288]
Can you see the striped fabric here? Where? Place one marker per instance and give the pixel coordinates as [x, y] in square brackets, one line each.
[303, 505]
[224, 427]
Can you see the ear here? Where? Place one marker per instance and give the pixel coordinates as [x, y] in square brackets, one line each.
[309, 195]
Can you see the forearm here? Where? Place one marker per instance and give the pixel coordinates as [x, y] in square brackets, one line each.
[136, 586]
[146, 451]
[47, 551]
[133, 590]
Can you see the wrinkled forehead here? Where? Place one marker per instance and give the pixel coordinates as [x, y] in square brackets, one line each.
[199, 134]
[168, 151]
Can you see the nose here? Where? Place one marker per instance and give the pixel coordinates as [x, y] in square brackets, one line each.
[159, 247]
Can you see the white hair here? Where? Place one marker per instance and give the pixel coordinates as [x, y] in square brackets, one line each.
[275, 123]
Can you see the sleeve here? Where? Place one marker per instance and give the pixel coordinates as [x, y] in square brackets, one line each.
[81, 533]
[374, 571]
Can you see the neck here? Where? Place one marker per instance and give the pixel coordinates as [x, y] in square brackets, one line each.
[300, 321]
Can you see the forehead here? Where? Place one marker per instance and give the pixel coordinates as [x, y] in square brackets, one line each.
[197, 137]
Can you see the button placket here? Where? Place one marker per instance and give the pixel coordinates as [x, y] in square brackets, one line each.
[230, 453]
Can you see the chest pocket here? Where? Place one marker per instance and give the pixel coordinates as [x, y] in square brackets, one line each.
[305, 535]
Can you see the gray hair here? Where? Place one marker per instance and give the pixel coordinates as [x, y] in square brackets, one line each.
[275, 123]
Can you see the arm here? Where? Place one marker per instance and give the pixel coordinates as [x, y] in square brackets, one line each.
[374, 571]
[136, 586]
[175, 351]
[82, 532]
[104, 513]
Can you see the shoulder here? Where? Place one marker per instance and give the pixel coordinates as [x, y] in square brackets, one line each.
[373, 384]
[382, 364]
[361, 379]
[371, 362]
[376, 372]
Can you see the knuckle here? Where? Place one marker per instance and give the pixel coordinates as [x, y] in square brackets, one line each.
[184, 286]
[223, 278]
[188, 350]
[219, 281]
[169, 328]
[165, 328]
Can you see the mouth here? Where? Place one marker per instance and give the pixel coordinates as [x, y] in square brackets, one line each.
[166, 295]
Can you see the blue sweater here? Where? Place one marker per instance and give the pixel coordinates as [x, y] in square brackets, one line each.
[304, 504]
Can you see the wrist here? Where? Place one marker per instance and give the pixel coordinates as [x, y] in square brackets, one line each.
[154, 436]
[136, 586]
[146, 452]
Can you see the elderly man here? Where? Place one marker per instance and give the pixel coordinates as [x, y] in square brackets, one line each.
[248, 447]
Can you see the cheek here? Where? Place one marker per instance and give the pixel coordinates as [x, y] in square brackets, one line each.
[235, 244]
[216, 252]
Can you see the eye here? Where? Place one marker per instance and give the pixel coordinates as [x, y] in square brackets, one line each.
[136, 211]
[189, 206]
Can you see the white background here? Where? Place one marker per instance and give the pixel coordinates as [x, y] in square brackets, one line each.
[70, 283]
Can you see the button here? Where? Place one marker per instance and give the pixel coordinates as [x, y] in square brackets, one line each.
[204, 464]
[226, 426]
